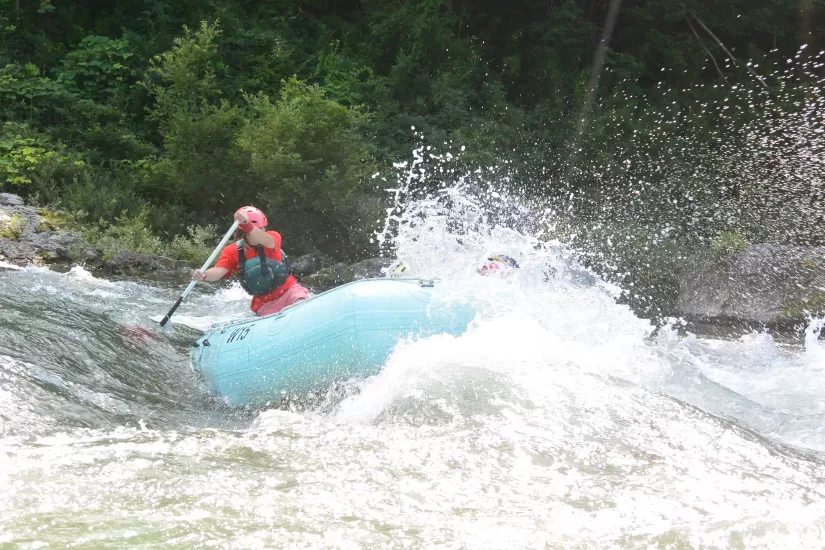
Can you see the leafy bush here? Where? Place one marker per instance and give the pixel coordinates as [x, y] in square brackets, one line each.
[196, 246]
[23, 151]
[53, 220]
[126, 233]
[97, 68]
[133, 233]
[508, 83]
[26, 95]
[727, 243]
[95, 195]
[200, 167]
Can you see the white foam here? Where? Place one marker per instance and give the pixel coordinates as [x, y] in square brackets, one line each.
[555, 308]
[80, 273]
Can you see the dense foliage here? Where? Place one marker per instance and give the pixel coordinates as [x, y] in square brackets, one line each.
[174, 113]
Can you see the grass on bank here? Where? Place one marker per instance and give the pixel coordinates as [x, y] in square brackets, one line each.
[11, 227]
[134, 234]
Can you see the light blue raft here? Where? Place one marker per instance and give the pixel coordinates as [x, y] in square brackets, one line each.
[347, 332]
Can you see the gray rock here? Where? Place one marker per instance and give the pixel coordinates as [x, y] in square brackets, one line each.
[17, 252]
[28, 239]
[129, 263]
[764, 284]
[311, 263]
[7, 199]
[55, 245]
[370, 268]
[88, 254]
[340, 273]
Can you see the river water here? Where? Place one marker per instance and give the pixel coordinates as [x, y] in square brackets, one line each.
[559, 420]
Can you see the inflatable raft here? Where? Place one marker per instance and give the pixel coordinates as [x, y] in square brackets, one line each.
[344, 333]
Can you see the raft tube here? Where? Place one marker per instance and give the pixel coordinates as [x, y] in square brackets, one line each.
[345, 333]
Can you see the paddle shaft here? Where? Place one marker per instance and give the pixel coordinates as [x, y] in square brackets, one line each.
[204, 268]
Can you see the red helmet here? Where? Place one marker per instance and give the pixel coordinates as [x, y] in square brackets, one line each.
[256, 217]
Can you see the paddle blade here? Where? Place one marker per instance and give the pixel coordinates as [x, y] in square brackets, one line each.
[138, 336]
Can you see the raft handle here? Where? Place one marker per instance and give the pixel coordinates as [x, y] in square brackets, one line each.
[426, 283]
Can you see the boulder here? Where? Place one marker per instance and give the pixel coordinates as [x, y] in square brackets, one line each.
[131, 264]
[55, 246]
[16, 252]
[340, 273]
[370, 268]
[7, 199]
[27, 238]
[311, 263]
[765, 284]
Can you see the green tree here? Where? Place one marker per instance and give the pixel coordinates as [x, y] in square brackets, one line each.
[198, 169]
[97, 69]
[24, 151]
[311, 162]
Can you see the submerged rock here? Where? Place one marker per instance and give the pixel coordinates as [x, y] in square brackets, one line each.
[311, 263]
[370, 268]
[765, 284]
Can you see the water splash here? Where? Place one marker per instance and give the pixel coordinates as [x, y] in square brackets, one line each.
[662, 174]
[814, 347]
[570, 313]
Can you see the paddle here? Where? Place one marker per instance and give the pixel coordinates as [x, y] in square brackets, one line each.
[204, 268]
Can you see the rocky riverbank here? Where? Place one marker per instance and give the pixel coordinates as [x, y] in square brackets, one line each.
[28, 235]
[31, 236]
[764, 285]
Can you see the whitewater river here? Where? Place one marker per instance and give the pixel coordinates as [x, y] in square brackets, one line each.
[559, 420]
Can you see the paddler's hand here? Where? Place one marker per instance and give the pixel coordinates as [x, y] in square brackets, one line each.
[198, 275]
[241, 218]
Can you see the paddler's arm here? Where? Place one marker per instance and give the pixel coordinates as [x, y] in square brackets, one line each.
[259, 236]
[211, 274]
[254, 235]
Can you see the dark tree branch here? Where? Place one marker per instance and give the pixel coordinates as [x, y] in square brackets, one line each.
[730, 55]
[718, 70]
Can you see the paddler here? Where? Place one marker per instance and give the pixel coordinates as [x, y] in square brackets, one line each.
[499, 265]
[271, 283]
